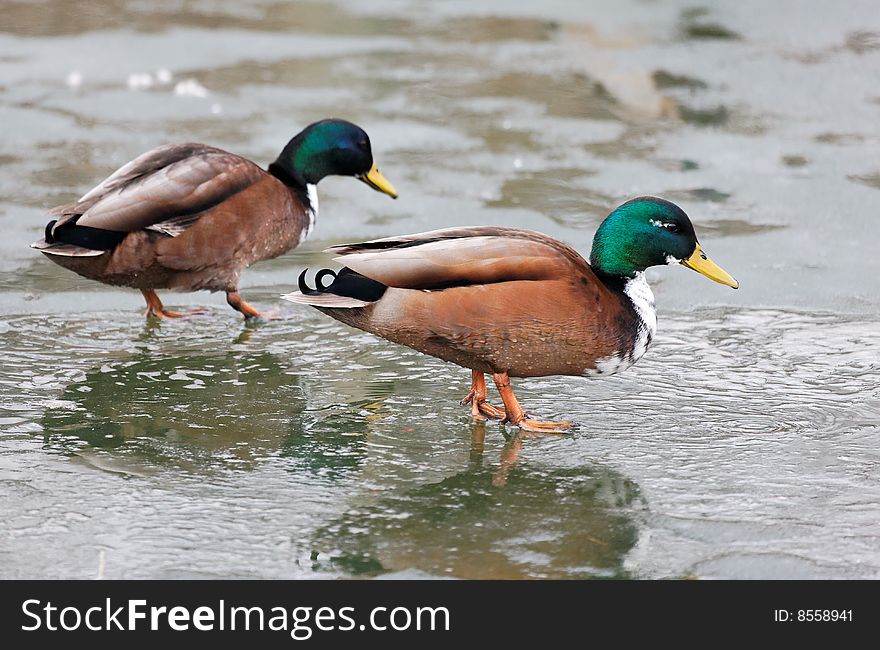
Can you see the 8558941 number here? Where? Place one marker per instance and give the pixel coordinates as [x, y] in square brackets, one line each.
[813, 615]
[824, 615]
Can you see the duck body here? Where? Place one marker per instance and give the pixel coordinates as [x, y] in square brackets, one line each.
[514, 303]
[531, 306]
[191, 217]
[196, 216]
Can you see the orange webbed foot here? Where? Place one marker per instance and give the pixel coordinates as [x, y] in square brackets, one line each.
[167, 313]
[491, 412]
[271, 314]
[156, 309]
[249, 312]
[539, 426]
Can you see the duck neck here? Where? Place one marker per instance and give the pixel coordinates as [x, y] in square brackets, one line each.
[306, 192]
[637, 296]
[287, 175]
[641, 298]
[311, 209]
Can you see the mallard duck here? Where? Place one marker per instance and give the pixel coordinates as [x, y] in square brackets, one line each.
[191, 217]
[514, 303]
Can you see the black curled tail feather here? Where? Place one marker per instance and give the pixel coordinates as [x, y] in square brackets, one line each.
[303, 287]
[50, 238]
[319, 286]
[85, 236]
[346, 283]
[319, 279]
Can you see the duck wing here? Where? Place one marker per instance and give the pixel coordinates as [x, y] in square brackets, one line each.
[461, 256]
[165, 189]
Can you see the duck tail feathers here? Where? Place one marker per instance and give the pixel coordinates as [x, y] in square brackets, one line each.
[347, 290]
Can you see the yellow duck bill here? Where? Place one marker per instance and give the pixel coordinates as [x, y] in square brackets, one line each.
[374, 179]
[704, 266]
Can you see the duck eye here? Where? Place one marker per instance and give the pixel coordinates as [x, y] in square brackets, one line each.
[672, 227]
[363, 145]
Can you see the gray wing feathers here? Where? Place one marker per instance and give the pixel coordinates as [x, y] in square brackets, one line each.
[402, 241]
[164, 189]
[144, 165]
[479, 259]
[176, 225]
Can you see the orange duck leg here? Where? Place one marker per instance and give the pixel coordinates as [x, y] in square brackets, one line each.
[239, 304]
[480, 408]
[517, 417]
[155, 306]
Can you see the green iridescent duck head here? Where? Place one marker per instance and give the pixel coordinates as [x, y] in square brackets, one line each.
[330, 148]
[648, 231]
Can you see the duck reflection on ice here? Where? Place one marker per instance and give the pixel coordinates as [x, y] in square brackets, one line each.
[186, 411]
[491, 521]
